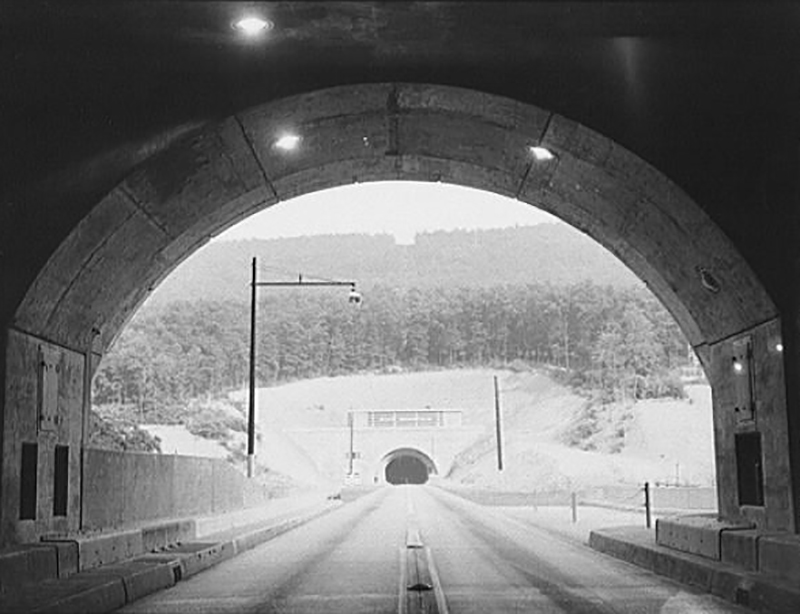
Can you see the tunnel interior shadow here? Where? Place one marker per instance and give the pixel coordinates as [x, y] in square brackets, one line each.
[406, 470]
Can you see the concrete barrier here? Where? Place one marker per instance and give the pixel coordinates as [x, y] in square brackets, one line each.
[101, 549]
[30, 563]
[763, 592]
[695, 534]
[780, 555]
[138, 578]
[162, 534]
[740, 548]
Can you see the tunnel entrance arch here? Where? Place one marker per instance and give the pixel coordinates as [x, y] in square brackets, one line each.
[220, 173]
[405, 466]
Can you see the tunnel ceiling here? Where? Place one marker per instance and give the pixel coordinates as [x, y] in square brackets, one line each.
[707, 93]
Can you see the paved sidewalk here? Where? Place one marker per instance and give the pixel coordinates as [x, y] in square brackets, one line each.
[758, 591]
[109, 587]
[623, 535]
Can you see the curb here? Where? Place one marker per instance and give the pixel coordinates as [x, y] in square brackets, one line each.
[256, 537]
[757, 591]
[92, 595]
[107, 588]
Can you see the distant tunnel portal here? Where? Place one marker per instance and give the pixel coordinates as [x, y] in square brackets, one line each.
[406, 470]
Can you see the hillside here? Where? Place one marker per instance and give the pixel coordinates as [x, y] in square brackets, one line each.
[662, 437]
[663, 441]
[545, 253]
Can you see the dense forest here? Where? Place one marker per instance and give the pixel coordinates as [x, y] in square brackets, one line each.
[544, 254]
[452, 299]
[619, 340]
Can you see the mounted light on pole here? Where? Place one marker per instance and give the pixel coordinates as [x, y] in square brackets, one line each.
[354, 297]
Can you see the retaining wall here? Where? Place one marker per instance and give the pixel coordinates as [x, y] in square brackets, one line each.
[123, 489]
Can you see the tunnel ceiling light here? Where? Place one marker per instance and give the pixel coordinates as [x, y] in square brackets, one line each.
[541, 153]
[288, 142]
[252, 25]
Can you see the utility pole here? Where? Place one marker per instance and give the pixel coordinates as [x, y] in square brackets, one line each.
[251, 410]
[350, 456]
[498, 426]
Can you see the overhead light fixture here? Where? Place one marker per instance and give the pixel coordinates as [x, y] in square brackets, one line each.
[252, 26]
[541, 153]
[288, 142]
[354, 297]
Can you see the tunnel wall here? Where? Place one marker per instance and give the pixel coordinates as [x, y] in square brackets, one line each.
[766, 390]
[172, 203]
[125, 489]
[105, 489]
[44, 419]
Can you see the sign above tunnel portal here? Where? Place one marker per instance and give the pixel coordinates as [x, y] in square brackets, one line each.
[362, 448]
[408, 418]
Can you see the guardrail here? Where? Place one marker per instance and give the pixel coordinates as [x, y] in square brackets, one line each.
[644, 498]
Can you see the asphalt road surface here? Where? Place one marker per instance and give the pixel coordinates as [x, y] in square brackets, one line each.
[410, 549]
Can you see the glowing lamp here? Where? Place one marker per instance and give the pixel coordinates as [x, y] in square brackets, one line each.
[288, 142]
[541, 153]
[252, 26]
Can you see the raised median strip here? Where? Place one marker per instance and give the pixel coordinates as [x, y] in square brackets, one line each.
[108, 587]
[420, 586]
[758, 591]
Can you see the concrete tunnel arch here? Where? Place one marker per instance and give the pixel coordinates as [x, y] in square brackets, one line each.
[222, 172]
[405, 466]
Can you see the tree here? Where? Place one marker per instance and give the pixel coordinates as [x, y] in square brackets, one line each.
[621, 341]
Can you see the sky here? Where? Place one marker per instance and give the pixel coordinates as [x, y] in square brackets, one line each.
[400, 208]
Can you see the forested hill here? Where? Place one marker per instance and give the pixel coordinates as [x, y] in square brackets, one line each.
[546, 253]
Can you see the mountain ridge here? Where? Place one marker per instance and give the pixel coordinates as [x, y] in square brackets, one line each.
[544, 253]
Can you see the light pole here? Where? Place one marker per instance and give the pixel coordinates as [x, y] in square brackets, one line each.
[354, 297]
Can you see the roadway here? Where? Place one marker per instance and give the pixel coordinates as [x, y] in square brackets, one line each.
[459, 556]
